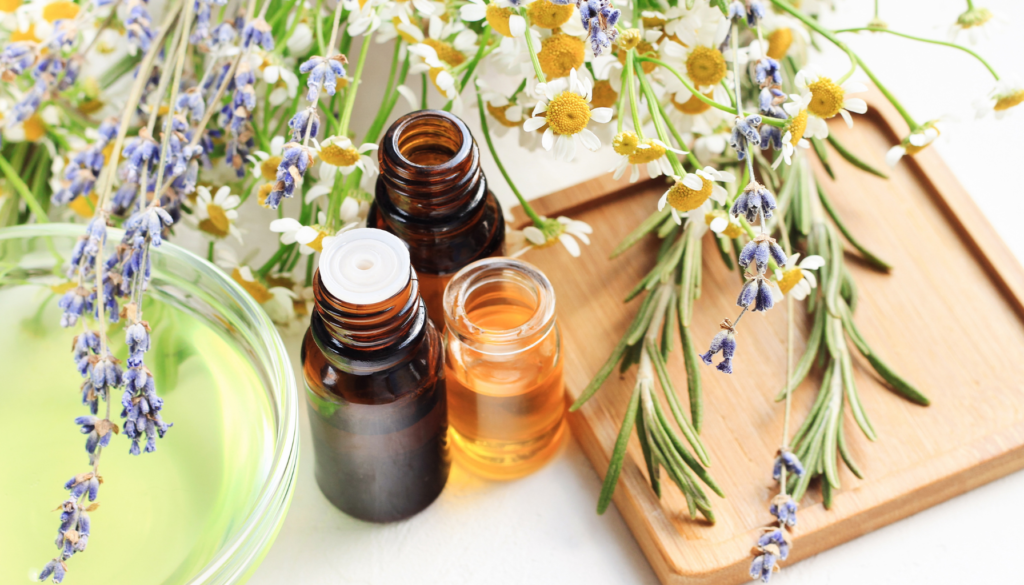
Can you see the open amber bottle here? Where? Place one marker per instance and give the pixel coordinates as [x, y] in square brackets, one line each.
[432, 194]
[373, 365]
[503, 365]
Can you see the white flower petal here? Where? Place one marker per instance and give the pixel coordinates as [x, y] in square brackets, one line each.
[570, 244]
[601, 115]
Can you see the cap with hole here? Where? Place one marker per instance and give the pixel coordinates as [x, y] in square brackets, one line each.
[365, 266]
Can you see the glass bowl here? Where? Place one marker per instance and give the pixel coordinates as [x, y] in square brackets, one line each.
[203, 508]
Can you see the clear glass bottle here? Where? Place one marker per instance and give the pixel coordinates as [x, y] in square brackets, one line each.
[432, 194]
[373, 365]
[503, 366]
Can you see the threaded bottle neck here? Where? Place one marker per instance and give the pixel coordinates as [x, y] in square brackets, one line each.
[430, 169]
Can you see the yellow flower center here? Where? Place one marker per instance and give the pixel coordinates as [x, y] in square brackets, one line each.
[568, 113]
[55, 11]
[263, 193]
[445, 52]
[706, 66]
[34, 128]
[9, 5]
[625, 143]
[692, 106]
[797, 127]
[90, 106]
[498, 113]
[333, 154]
[268, 168]
[684, 199]
[826, 98]
[603, 94]
[217, 224]
[975, 17]
[790, 278]
[318, 243]
[544, 14]
[645, 49]
[498, 18]
[432, 74]
[642, 156]
[254, 288]
[629, 39]
[779, 42]
[560, 54]
[732, 229]
[28, 34]
[63, 287]
[653, 19]
[405, 36]
[1010, 100]
[84, 206]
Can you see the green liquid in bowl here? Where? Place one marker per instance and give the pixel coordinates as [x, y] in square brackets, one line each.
[165, 517]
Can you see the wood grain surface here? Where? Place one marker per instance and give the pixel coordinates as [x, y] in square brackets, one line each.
[948, 318]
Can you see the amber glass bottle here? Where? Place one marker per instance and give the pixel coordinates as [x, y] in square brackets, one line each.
[433, 195]
[375, 381]
[503, 366]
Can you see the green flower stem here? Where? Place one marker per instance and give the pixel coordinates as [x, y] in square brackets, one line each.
[654, 106]
[923, 40]
[533, 50]
[319, 28]
[679, 139]
[770, 121]
[816, 27]
[350, 93]
[537, 220]
[621, 106]
[736, 67]
[970, 5]
[423, 92]
[633, 102]
[23, 190]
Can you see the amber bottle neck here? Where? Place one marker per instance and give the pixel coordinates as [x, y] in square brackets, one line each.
[430, 169]
[367, 337]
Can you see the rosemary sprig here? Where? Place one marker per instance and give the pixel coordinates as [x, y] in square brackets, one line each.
[671, 285]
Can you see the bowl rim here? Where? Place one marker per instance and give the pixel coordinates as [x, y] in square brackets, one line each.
[240, 555]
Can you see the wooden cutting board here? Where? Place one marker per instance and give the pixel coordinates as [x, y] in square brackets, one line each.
[948, 318]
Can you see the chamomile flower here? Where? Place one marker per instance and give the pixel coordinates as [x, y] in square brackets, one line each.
[264, 164]
[1006, 95]
[277, 301]
[563, 230]
[722, 223]
[913, 144]
[500, 16]
[975, 22]
[797, 279]
[313, 238]
[823, 99]
[215, 215]
[692, 190]
[795, 128]
[337, 154]
[288, 87]
[703, 24]
[651, 153]
[508, 115]
[435, 58]
[565, 110]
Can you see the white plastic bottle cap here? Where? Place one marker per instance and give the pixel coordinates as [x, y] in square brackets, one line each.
[365, 266]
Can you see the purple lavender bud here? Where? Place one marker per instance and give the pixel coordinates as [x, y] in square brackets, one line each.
[768, 71]
[716, 346]
[748, 294]
[761, 256]
[54, 568]
[737, 11]
[725, 366]
[729, 345]
[765, 299]
[755, 12]
[777, 253]
[757, 566]
[747, 254]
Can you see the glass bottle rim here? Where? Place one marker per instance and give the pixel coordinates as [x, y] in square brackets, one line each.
[401, 127]
[471, 278]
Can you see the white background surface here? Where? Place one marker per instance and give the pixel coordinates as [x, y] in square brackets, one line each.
[543, 529]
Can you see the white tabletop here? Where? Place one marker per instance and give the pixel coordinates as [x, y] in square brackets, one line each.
[543, 529]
